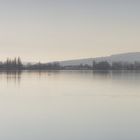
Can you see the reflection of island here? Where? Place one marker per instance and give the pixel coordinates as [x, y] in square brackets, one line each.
[14, 76]
[11, 76]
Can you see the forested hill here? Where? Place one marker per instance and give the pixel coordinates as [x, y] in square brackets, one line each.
[125, 57]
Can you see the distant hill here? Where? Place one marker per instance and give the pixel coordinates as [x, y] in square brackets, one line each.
[125, 57]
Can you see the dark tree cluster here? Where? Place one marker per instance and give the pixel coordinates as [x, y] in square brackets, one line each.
[104, 65]
[78, 67]
[43, 66]
[11, 64]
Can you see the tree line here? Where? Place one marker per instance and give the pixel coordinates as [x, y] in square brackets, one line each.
[11, 64]
[16, 64]
[43, 66]
[104, 65]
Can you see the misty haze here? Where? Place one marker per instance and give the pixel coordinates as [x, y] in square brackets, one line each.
[69, 69]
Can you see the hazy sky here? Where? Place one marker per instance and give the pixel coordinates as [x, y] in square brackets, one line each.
[49, 30]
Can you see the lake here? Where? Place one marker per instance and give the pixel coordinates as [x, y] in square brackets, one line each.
[70, 105]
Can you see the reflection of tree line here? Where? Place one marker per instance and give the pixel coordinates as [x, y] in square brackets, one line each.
[13, 76]
[17, 65]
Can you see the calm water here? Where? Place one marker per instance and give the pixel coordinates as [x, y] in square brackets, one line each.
[70, 105]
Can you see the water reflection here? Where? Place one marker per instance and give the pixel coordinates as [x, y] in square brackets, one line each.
[11, 76]
[70, 105]
[15, 77]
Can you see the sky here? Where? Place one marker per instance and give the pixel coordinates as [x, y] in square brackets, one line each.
[51, 30]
